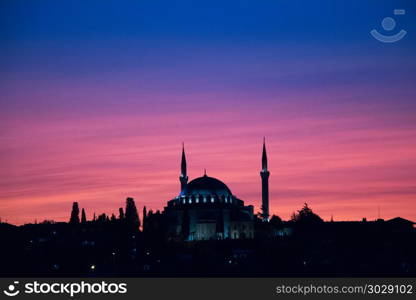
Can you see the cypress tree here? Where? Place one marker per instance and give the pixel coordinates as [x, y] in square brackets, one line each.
[120, 213]
[83, 217]
[144, 217]
[74, 214]
[132, 217]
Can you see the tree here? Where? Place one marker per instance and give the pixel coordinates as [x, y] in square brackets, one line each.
[144, 217]
[74, 214]
[132, 217]
[120, 213]
[276, 221]
[83, 217]
[306, 216]
[102, 218]
[49, 222]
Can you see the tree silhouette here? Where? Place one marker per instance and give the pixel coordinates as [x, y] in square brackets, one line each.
[132, 217]
[74, 214]
[306, 216]
[120, 213]
[102, 218]
[275, 221]
[144, 217]
[83, 217]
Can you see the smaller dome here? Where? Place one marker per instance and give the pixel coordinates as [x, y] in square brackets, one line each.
[206, 185]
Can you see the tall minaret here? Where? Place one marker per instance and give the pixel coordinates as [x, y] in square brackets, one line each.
[183, 178]
[264, 174]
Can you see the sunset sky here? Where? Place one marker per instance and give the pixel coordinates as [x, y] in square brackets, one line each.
[96, 98]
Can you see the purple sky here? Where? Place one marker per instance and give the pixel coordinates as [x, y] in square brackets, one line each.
[96, 99]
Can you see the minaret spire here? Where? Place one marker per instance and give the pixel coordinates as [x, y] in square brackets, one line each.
[264, 174]
[264, 156]
[183, 178]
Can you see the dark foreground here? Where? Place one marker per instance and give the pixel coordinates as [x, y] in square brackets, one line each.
[331, 249]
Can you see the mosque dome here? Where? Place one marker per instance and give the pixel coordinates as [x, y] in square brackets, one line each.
[206, 185]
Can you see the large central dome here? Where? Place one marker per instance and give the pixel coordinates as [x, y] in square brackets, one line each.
[206, 185]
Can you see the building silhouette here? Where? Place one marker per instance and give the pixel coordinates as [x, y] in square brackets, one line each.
[183, 178]
[264, 174]
[207, 209]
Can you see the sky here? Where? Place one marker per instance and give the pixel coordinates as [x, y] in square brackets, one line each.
[96, 98]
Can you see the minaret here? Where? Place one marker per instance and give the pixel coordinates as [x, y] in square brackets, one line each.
[183, 178]
[264, 174]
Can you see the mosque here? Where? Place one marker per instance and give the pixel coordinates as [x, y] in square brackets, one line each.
[207, 209]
